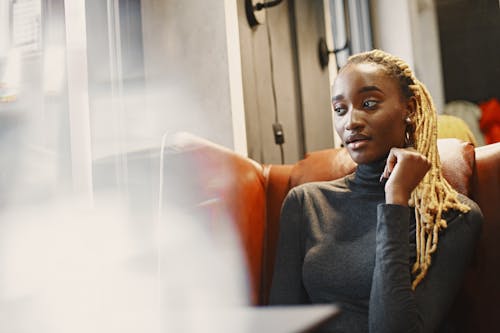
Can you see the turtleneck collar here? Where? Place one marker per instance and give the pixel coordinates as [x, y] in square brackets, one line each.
[367, 177]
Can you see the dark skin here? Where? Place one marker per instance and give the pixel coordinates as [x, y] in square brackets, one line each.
[370, 112]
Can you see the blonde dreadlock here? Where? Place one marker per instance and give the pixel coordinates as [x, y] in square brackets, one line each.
[433, 195]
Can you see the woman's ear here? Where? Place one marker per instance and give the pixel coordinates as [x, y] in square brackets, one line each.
[411, 107]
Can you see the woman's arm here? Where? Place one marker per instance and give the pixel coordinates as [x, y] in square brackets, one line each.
[287, 286]
[437, 291]
[394, 307]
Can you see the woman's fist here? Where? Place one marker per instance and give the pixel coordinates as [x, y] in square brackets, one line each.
[404, 170]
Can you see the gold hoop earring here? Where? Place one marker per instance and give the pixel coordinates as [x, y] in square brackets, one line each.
[409, 133]
[408, 140]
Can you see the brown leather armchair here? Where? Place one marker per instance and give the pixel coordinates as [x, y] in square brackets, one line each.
[252, 195]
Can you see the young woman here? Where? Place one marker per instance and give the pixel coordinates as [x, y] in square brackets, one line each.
[390, 242]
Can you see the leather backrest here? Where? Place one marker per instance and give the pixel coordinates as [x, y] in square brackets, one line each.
[486, 187]
[219, 181]
[457, 159]
[479, 307]
[322, 165]
[222, 185]
[277, 186]
[252, 195]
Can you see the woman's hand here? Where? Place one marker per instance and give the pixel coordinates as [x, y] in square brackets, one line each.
[404, 170]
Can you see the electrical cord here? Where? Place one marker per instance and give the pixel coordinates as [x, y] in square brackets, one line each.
[279, 137]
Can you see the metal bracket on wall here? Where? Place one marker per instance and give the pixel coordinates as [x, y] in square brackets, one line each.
[254, 10]
[324, 52]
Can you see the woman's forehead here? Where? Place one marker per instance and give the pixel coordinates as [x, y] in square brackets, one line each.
[366, 69]
[363, 73]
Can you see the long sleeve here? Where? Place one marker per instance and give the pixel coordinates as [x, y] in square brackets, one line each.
[287, 286]
[393, 306]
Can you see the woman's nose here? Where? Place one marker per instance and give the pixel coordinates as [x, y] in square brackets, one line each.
[353, 120]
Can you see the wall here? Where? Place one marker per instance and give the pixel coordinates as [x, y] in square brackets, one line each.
[408, 29]
[302, 88]
[427, 49]
[314, 81]
[392, 30]
[186, 69]
[470, 35]
[196, 78]
[260, 113]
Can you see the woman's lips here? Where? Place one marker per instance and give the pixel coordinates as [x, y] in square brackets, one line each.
[357, 144]
[357, 141]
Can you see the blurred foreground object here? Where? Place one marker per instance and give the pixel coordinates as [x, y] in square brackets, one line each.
[67, 267]
[10, 76]
[140, 258]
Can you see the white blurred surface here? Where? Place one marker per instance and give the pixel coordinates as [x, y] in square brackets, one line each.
[271, 319]
[68, 267]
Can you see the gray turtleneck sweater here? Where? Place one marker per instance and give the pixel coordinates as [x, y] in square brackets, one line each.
[340, 243]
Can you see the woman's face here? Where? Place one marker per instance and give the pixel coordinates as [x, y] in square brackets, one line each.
[369, 112]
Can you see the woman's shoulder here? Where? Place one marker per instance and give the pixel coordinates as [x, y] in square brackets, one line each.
[473, 218]
[462, 233]
[321, 187]
[475, 212]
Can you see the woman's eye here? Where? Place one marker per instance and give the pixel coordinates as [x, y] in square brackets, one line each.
[369, 104]
[339, 110]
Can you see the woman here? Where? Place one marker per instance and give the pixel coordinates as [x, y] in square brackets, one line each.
[367, 241]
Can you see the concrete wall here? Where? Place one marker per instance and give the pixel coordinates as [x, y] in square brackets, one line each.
[186, 69]
[207, 72]
[203, 61]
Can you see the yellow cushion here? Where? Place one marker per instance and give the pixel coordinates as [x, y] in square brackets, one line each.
[454, 127]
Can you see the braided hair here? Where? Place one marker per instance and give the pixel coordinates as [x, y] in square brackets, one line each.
[433, 195]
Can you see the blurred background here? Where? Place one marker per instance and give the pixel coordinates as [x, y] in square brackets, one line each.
[91, 90]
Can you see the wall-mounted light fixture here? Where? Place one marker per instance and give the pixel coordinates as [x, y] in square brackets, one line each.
[324, 52]
[254, 10]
